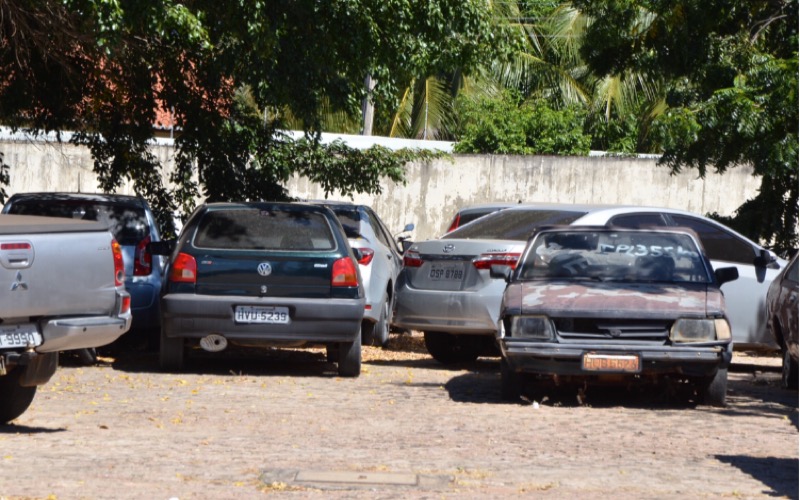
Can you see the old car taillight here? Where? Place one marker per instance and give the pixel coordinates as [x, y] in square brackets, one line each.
[184, 269]
[142, 259]
[487, 260]
[412, 259]
[119, 264]
[366, 256]
[344, 273]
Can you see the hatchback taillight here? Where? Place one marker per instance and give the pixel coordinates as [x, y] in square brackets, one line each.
[344, 273]
[184, 269]
[142, 259]
[412, 259]
[487, 260]
[366, 256]
[119, 264]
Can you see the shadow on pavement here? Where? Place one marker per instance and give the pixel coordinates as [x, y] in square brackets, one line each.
[779, 474]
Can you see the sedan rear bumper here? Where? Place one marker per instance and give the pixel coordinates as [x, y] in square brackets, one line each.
[311, 320]
[567, 360]
[473, 312]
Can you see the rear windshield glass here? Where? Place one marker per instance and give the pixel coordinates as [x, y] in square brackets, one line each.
[512, 224]
[248, 229]
[622, 256]
[350, 221]
[127, 223]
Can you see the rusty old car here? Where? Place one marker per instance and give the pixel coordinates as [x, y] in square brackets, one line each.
[592, 304]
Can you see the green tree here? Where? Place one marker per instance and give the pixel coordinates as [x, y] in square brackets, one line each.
[231, 73]
[731, 76]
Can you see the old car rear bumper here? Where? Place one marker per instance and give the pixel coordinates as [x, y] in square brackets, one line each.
[559, 359]
[312, 320]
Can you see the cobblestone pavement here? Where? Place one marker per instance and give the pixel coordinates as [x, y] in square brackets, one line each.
[284, 424]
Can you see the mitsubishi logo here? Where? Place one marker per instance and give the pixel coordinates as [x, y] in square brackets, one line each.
[264, 269]
[449, 248]
[19, 284]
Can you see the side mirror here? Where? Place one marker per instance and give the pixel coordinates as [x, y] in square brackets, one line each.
[409, 227]
[163, 247]
[764, 259]
[501, 272]
[726, 274]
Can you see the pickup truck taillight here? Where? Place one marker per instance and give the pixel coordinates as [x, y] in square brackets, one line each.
[344, 273]
[142, 259]
[119, 264]
[184, 269]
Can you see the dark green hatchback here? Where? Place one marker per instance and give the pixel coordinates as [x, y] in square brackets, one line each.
[262, 274]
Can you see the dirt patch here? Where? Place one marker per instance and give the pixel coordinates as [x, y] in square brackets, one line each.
[282, 423]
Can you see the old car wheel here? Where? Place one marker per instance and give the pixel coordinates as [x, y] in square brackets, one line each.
[14, 399]
[789, 371]
[449, 349]
[510, 382]
[716, 389]
[171, 353]
[350, 358]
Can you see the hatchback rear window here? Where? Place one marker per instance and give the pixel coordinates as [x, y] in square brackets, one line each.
[248, 229]
[127, 223]
[513, 224]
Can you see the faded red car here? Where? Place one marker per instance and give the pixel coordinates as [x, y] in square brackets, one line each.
[782, 320]
[593, 304]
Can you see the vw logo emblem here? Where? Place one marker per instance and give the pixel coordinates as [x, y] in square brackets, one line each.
[449, 248]
[264, 269]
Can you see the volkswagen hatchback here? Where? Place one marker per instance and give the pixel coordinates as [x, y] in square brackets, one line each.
[262, 274]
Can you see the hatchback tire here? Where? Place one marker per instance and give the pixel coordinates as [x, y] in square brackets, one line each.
[789, 371]
[715, 389]
[449, 349]
[350, 358]
[14, 399]
[171, 353]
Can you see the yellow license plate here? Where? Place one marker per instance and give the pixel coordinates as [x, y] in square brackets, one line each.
[614, 363]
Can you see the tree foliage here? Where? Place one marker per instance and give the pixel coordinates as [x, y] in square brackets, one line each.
[731, 77]
[232, 74]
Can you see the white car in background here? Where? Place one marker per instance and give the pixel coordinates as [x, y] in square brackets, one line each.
[446, 292]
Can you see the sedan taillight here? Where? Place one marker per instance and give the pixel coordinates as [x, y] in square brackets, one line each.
[412, 259]
[142, 259]
[366, 256]
[344, 273]
[184, 269]
[119, 264]
[487, 260]
[454, 224]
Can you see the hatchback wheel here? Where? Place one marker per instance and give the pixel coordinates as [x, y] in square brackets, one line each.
[350, 358]
[171, 353]
[715, 389]
[14, 399]
[789, 371]
[449, 349]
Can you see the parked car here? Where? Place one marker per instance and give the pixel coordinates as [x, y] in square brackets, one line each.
[131, 222]
[468, 214]
[446, 292]
[782, 320]
[380, 262]
[262, 274]
[598, 304]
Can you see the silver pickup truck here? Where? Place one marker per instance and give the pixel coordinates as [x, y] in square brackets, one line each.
[61, 288]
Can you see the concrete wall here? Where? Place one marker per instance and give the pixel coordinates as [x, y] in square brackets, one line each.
[434, 190]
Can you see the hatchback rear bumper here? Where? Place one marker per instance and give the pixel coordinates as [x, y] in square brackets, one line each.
[311, 320]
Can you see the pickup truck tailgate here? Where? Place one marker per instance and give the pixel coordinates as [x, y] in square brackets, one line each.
[53, 267]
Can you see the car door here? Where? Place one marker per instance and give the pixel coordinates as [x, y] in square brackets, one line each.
[746, 296]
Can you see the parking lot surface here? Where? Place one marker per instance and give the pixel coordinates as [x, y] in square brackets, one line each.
[282, 423]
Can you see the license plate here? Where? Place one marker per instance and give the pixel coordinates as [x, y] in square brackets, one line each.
[446, 272]
[262, 315]
[20, 336]
[616, 363]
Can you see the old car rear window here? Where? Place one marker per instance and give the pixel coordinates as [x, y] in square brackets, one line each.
[126, 222]
[513, 224]
[252, 229]
[628, 256]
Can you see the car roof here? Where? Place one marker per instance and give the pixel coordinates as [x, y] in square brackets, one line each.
[65, 196]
